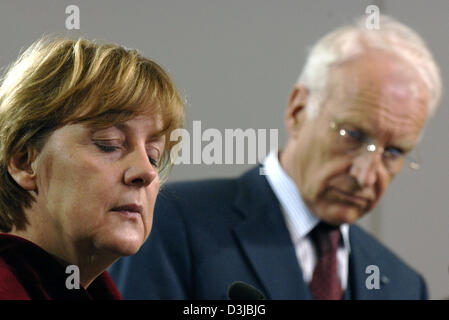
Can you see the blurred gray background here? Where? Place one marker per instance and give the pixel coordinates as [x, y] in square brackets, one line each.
[235, 62]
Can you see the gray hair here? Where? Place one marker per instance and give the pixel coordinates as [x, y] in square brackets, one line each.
[347, 42]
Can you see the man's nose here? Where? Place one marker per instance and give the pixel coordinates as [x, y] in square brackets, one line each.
[365, 168]
[139, 171]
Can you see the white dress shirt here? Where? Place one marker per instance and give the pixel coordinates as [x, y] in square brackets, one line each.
[300, 221]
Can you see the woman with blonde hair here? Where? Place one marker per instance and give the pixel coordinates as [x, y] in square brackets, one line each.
[84, 146]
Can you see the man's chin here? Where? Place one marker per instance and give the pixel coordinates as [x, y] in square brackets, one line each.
[341, 213]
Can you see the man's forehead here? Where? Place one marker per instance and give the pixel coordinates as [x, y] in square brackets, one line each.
[375, 66]
[371, 83]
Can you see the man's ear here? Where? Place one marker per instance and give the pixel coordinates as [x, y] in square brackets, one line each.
[295, 113]
[21, 167]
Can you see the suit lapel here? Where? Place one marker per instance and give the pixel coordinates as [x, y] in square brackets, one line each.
[265, 239]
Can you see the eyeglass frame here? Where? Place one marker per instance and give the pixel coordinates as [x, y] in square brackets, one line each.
[368, 145]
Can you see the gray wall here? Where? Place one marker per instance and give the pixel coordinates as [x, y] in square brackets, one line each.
[235, 62]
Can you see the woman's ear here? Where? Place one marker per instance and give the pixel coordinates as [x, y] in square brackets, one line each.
[22, 169]
[295, 113]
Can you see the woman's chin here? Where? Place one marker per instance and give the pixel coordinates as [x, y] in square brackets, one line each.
[124, 245]
[128, 249]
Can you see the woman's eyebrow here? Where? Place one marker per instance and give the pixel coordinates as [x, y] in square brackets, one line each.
[155, 135]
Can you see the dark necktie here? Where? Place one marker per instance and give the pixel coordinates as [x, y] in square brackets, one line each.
[325, 284]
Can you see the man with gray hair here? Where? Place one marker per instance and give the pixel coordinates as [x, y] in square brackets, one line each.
[353, 119]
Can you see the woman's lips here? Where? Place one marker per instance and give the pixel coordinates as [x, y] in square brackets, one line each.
[129, 210]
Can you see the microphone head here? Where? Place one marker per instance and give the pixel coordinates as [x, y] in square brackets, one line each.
[240, 290]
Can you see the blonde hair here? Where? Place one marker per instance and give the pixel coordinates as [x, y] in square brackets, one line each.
[350, 41]
[60, 81]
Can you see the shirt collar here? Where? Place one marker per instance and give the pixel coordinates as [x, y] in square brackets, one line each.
[300, 219]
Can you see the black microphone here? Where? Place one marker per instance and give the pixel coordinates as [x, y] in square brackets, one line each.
[240, 290]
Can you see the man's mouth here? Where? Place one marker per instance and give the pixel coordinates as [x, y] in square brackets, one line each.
[350, 198]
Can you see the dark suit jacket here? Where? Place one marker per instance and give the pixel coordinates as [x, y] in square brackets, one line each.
[208, 234]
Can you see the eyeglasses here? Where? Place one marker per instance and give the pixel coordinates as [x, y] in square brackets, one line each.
[354, 142]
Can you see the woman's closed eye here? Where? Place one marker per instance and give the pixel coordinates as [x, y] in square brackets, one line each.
[153, 162]
[109, 146]
[154, 156]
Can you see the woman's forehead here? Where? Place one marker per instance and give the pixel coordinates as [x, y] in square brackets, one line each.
[148, 122]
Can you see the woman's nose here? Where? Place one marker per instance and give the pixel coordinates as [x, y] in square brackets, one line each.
[139, 171]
